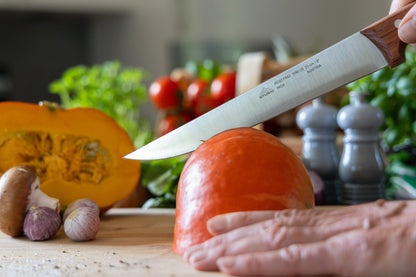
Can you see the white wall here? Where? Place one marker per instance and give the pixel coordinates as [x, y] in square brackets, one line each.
[302, 21]
[143, 38]
[140, 39]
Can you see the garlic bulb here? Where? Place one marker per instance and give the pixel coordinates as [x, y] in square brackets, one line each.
[85, 202]
[41, 223]
[82, 224]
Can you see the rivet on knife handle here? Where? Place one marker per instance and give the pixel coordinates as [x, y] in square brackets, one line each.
[383, 34]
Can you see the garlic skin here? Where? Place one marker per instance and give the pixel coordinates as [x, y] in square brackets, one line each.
[41, 223]
[85, 202]
[82, 224]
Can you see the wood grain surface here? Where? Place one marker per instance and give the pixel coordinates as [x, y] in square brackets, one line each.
[383, 34]
[130, 242]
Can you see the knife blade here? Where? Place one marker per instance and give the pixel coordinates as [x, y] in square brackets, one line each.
[356, 56]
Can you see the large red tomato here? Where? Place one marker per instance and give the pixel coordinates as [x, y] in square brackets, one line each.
[165, 94]
[238, 170]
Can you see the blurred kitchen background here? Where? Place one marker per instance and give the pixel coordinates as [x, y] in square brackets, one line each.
[42, 38]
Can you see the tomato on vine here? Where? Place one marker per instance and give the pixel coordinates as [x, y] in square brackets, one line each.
[195, 91]
[205, 103]
[172, 121]
[223, 87]
[165, 93]
[199, 98]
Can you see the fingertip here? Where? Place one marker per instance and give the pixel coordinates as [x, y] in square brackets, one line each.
[196, 258]
[393, 7]
[407, 31]
[190, 251]
[202, 260]
[186, 255]
[397, 4]
[218, 224]
[226, 264]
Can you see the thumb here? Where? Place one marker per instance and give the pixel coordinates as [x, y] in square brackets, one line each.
[407, 28]
[397, 4]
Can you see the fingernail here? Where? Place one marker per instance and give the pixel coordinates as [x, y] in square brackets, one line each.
[217, 224]
[407, 32]
[225, 262]
[190, 251]
[197, 257]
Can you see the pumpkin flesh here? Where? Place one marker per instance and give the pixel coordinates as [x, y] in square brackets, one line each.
[77, 152]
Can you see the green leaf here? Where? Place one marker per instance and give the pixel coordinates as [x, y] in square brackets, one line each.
[161, 177]
[160, 185]
[405, 86]
[391, 136]
[117, 91]
[394, 92]
[158, 202]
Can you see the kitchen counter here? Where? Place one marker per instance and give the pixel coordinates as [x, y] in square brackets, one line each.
[130, 242]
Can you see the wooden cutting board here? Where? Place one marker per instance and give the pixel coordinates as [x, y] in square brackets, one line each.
[130, 242]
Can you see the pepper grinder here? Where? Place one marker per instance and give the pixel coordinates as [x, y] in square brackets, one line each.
[319, 153]
[361, 166]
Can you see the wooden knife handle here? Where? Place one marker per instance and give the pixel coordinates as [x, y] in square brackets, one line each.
[383, 33]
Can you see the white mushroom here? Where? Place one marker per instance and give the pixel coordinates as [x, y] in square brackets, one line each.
[19, 190]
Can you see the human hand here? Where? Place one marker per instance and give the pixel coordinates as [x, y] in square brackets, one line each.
[407, 28]
[375, 239]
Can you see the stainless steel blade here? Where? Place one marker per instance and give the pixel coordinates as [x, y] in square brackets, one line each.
[344, 62]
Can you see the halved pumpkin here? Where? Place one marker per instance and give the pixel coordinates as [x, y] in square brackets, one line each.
[77, 152]
[242, 169]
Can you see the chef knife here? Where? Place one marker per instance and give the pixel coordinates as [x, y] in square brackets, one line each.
[360, 54]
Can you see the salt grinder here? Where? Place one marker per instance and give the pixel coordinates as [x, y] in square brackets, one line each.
[361, 167]
[319, 153]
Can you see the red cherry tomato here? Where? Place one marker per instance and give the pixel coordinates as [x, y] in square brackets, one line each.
[223, 87]
[165, 94]
[199, 98]
[205, 104]
[195, 91]
[172, 121]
